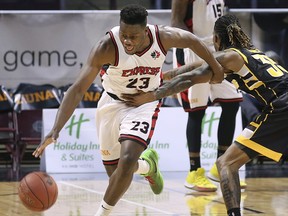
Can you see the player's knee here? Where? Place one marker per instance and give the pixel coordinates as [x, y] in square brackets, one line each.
[222, 163]
[127, 164]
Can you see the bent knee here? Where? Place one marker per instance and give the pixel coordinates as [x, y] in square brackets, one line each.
[226, 163]
[127, 164]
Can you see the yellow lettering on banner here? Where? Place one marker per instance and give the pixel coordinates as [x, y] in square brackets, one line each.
[3, 97]
[91, 96]
[49, 95]
[38, 96]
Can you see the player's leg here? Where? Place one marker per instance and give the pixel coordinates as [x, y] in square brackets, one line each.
[135, 126]
[229, 99]
[121, 178]
[228, 166]
[193, 135]
[267, 135]
[226, 126]
[110, 169]
[130, 162]
[194, 101]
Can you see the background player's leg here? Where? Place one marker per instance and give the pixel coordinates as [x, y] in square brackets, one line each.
[196, 178]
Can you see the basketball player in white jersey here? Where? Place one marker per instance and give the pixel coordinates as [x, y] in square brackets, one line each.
[130, 57]
[199, 16]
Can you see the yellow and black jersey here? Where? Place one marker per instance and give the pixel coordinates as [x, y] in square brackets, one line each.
[268, 83]
[263, 78]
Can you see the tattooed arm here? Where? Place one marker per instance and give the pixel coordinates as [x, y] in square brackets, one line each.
[183, 81]
[168, 75]
[177, 84]
[182, 78]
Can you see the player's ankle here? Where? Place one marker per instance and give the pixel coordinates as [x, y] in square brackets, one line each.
[234, 212]
[104, 209]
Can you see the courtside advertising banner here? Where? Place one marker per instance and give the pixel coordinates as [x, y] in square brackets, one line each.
[51, 47]
[77, 149]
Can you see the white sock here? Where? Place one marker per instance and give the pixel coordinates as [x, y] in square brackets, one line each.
[104, 209]
[143, 167]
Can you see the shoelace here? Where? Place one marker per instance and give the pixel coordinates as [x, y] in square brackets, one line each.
[202, 180]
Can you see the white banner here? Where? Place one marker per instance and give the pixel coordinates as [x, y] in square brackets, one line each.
[77, 149]
[41, 48]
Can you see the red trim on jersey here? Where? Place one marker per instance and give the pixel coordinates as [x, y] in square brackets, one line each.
[196, 109]
[139, 140]
[134, 138]
[227, 100]
[159, 41]
[102, 72]
[116, 48]
[147, 48]
[154, 120]
[112, 162]
[184, 96]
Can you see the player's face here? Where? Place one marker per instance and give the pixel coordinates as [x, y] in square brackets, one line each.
[132, 37]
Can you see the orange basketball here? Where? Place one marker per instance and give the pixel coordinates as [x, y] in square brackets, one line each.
[38, 191]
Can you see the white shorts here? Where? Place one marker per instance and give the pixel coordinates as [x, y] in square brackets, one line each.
[197, 96]
[115, 122]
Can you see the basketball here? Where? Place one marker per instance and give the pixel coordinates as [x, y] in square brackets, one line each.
[38, 191]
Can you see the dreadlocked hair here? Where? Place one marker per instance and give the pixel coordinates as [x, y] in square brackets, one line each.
[229, 30]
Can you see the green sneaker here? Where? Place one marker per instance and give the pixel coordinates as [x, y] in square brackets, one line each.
[154, 175]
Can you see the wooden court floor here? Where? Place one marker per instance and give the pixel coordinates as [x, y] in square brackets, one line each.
[80, 195]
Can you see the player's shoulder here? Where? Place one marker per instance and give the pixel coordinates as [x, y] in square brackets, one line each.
[169, 31]
[105, 42]
[104, 48]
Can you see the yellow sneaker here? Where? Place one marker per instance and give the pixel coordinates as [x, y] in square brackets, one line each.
[214, 176]
[196, 180]
[213, 173]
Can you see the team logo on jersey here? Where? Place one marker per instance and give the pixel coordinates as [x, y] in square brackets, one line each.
[155, 54]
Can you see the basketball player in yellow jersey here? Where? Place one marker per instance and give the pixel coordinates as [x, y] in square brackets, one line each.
[199, 16]
[256, 74]
[133, 54]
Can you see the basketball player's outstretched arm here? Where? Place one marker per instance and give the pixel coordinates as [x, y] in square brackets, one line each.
[168, 75]
[179, 83]
[102, 53]
[174, 37]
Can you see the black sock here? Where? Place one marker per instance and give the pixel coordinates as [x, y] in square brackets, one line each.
[234, 212]
[194, 163]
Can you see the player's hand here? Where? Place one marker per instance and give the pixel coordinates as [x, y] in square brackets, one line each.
[218, 76]
[139, 98]
[167, 75]
[50, 138]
